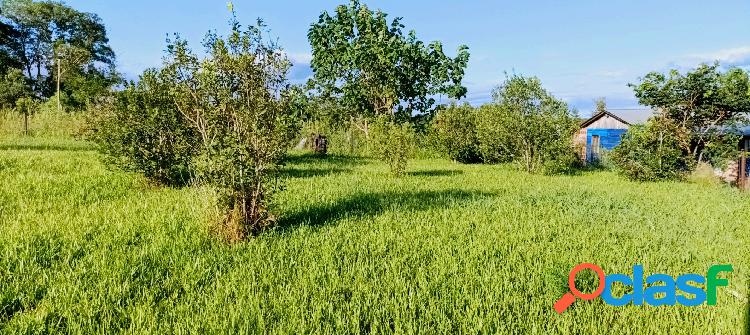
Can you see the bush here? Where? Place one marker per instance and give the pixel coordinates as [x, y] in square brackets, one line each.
[141, 130]
[394, 143]
[527, 125]
[494, 134]
[246, 116]
[453, 132]
[651, 152]
[227, 120]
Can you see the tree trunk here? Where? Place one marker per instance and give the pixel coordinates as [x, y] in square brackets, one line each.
[26, 122]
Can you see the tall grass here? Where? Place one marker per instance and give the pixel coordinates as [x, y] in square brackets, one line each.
[446, 249]
[48, 123]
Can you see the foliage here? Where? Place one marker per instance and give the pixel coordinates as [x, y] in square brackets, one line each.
[601, 105]
[704, 105]
[394, 143]
[372, 68]
[141, 130]
[652, 152]
[238, 101]
[46, 34]
[527, 125]
[13, 86]
[494, 133]
[450, 248]
[454, 133]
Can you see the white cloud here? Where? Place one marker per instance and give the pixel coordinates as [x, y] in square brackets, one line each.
[300, 57]
[731, 57]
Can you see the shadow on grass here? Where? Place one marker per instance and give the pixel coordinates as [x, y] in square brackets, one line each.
[435, 173]
[310, 158]
[45, 147]
[372, 204]
[310, 173]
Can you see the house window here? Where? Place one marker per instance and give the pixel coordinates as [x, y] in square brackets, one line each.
[596, 147]
[747, 144]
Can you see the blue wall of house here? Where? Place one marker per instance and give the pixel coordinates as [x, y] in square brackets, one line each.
[608, 138]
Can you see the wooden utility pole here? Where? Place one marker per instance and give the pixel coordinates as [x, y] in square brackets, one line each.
[59, 73]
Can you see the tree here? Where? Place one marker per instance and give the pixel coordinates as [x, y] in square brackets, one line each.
[68, 58]
[372, 68]
[26, 106]
[652, 152]
[705, 105]
[13, 86]
[527, 125]
[243, 111]
[601, 105]
[40, 28]
[9, 47]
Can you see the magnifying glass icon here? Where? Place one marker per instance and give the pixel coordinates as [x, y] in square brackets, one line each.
[569, 298]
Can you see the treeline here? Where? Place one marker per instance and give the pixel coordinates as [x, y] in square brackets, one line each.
[52, 52]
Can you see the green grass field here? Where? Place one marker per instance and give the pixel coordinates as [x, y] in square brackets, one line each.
[447, 249]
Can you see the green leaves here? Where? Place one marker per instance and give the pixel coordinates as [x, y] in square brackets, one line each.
[40, 35]
[705, 105]
[528, 126]
[454, 133]
[652, 152]
[369, 64]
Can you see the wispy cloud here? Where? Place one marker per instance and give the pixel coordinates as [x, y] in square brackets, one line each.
[739, 56]
[300, 57]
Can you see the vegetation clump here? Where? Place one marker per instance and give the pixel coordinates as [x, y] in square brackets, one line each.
[372, 68]
[698, 114]
[528, 126]
[453, 132]
[227, 120]
[394, 143]
[651, 152]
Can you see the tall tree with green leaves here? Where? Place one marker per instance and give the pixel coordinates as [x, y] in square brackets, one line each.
[705, 104]
[41, 30]
[370, 66]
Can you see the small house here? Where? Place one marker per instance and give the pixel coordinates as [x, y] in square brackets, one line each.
[605, 129]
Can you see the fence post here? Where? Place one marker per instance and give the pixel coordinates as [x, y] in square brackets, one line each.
[743, 181]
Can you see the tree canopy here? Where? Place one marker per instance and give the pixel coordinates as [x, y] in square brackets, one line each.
[372, 67]
[705, 104]
[38, 36]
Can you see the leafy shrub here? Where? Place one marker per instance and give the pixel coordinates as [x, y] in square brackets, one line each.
[394, 143]
[494, 134]
[527, 125]
[227, 120]
[245, 114]
[651, 152]
[141, 130]
[453, 132]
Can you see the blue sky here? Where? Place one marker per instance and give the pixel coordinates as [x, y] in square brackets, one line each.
[580, 49]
